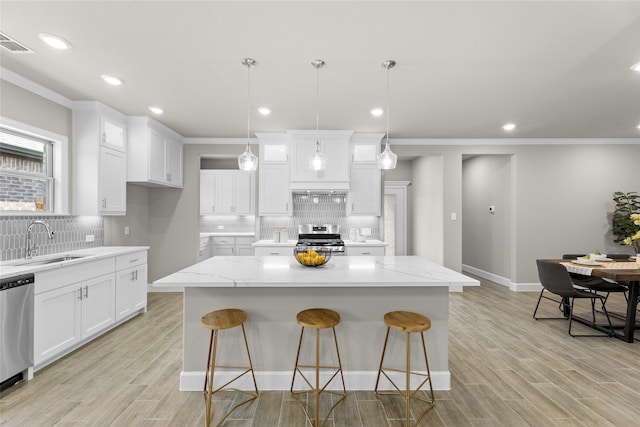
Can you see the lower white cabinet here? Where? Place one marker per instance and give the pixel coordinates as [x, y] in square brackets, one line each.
[75, 303]
[131, 284]
[364, 250]
[67, 315]
[274, 250]
[232, 246]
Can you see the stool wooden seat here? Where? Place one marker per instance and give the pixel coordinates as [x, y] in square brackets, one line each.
[217, 321]
[318, 319]
[407, 322]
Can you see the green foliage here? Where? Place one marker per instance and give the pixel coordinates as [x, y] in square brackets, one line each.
[621, 223]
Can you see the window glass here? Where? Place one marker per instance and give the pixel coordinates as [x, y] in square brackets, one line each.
[26, 175]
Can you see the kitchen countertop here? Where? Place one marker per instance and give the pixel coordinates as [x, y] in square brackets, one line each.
[7, 268]
[342, 272]
[228, 234]
[292, 243]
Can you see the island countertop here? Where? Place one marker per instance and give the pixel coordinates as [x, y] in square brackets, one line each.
[340, 271]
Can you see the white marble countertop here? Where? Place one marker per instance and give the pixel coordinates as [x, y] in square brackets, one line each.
[292, 243]
[228, 234]
[20, 266]
[342, 271]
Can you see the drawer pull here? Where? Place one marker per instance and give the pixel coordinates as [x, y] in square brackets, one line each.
[133, 260]
[274, 253]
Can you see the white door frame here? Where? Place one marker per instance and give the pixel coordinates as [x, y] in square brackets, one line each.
[399, 189]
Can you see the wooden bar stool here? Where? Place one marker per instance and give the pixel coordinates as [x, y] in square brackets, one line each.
[408, 322]
[217, 321]
[318, 318]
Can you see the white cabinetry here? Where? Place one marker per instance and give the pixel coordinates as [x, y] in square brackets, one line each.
[131, 284]
[274, 192]
[154, 154]
[364, 250]
[335, 145]
[99, 160]
[365, 194]
[66, 314]
[74, 304]
[232, 246]
[226, 192]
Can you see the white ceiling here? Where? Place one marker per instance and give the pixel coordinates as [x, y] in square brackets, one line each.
[557, 69]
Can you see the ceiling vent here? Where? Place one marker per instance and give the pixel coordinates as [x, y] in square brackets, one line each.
[12, 45]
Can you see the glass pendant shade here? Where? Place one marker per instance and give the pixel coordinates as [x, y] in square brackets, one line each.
[318, 160]
[387, 159]
[248, 161]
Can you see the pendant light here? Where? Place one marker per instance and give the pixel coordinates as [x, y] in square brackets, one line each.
[248, 161]
[387, 159]
[318, 160]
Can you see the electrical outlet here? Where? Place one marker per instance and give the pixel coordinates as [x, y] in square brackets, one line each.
[89, 238]
[126, 230]
[454, 216]
[366, 232]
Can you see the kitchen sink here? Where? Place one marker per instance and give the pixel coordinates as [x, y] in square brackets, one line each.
[43, 261]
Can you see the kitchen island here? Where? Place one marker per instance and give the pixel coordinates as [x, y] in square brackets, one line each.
[273, 289]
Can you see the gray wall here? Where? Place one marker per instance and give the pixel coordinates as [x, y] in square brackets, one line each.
[137, 219]
[486, 236]
[562, 197]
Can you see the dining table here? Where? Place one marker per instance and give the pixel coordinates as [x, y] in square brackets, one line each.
[626, 272]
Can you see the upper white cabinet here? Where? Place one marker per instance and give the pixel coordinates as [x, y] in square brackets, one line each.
[274, 193]
[365, 194]
[226, 192]
[99, 160]
[154, 154]
[335, 145]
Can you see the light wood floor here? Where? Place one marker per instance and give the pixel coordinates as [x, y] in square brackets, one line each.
[507, 370]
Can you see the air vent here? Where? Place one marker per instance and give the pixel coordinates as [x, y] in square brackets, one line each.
[12, 45]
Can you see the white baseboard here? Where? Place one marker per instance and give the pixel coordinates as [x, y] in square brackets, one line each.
[516, 287]
[281, 380]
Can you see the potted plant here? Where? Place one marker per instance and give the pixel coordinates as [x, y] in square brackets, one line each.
[626, 219]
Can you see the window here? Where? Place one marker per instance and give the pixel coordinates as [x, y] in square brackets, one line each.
[32, 170]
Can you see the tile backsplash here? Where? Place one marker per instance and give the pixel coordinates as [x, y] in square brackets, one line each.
[69, 234]
[227, 224]
[319, 209]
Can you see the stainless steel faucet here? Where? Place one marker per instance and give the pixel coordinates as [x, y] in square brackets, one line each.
[30, 248]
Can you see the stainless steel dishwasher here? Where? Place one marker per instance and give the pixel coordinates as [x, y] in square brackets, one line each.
[16, 328]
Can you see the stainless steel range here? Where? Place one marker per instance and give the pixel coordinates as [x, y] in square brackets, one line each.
[325, 236]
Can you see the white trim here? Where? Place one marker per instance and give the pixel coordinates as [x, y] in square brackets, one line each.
[281, 380]
[516, 287]
[514, 141]
[60, 166]
[31, 86]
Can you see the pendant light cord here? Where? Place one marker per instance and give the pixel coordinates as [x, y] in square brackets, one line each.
[248, 102]
[387, 144]
[317, 107]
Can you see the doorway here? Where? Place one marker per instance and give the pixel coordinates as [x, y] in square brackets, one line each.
[395, 217]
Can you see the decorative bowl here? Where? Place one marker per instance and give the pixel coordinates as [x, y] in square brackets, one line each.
[311, 257]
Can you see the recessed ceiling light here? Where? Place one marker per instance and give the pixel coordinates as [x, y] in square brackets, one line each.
[636, 67]
[156, 110]
[377, 112]
[509, 126]
[54, 41]
[113, 81]
[264, 111]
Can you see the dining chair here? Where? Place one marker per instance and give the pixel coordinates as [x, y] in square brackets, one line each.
[555, 279]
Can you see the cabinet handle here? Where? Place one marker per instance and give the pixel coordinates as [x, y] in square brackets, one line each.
[274, 253]
[80, 293]
[86, 291]
[133, 260]
[366, 253]
[104, 137]
[104, 202]
[136, 279]
[286, 208]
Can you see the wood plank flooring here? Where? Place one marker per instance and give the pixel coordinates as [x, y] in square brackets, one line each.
[507, 370]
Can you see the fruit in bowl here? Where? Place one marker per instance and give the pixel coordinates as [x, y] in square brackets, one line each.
[310, 257]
